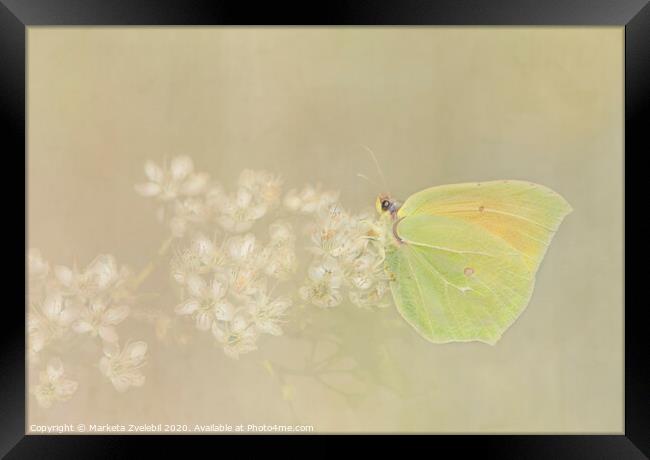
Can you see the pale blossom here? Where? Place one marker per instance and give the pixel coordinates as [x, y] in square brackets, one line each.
[238, 213]
[374, 295]
[224, 278]
[324, 284]
[268, 314]
[281, 233]
[188, 213]
[99, 319]
[365, 269]
[280, 262]
[329, 270]
[279, 257]
[338, 234]
[123, 367]
[241, 249]
[202, 256]
[204, 300]
[237, 336]
[247, 263]
[53, 385]
[354, 244]
[47, 320]
[167, 184]
[309, 199]
[100, 276]
[38, 268]
[366, 276]
[265, 186]
[244, 280]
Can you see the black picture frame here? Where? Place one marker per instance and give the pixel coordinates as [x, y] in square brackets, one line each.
[634, 15]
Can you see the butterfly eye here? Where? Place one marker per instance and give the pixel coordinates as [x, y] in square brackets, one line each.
[385, 205]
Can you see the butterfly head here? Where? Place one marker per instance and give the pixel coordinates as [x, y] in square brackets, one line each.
[386, 205]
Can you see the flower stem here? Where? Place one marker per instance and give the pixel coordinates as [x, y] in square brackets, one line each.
[149, 268]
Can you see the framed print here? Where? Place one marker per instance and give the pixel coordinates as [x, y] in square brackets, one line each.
[370, 221]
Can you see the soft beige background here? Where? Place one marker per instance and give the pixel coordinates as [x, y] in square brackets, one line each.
[437, 106]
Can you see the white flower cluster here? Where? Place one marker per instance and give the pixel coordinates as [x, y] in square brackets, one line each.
[310, 199]
[191, 202]
[235, 281]
[227, 274]
[227, 282]
[173, 181]
[349, 257]
[53, 384]
[257, 193]
[66, 302]
[122, 366]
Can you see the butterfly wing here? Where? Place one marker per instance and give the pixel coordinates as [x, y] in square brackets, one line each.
[523, 214]
[454, 282]
[466, 268]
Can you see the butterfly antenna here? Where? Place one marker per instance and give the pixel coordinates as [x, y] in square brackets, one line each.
[374, 159]
[363, 176]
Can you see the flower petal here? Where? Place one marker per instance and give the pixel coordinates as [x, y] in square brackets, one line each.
[36, 342]
[153, 172]
[196, 285]
[82, 327]
[218, 288]
[54, 369]
[239, 324]
[232, 352]
[67, 316]
[224, 311]
[97, 306]
[52, 306]
[105, 366]
[269, 327]
[256, 212]
[116, 315]
[280, 305]
[111, 349]
[108, 334]
[188, 307]
[203, 321]
[244, 198]
[137, 380]
[202, 245]
[66, 388]
[104, 268]
[44, 401]
[292, 201]
[136, 350]
[148, 189]
[63, 275]
[195, 184]
[121, 383]
[38, 267]
[181, 166]
[281, 232]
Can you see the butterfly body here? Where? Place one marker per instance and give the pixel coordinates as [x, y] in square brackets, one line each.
[462, 258]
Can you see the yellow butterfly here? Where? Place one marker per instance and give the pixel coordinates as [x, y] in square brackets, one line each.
[462, 258]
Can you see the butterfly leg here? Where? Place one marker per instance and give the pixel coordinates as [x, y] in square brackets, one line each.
[399, 240]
